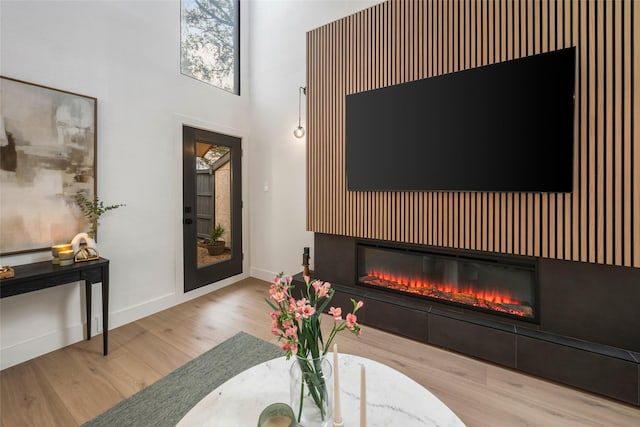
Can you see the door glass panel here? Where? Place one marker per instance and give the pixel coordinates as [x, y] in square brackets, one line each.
[212, 198]
[213, 203]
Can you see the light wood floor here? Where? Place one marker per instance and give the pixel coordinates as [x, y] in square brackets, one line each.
[72, 385]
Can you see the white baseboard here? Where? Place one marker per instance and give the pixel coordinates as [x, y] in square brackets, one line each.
[34, 347]
[38, 346]
[261, 274]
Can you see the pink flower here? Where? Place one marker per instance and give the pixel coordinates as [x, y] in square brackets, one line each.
[291, 332]
[288, 315]
[294, 310]
[336, 313]
[277, 293]
[322, 288]
[281, 281]
[307, 311]
[351, 321]
[304, 309]
[290, 346]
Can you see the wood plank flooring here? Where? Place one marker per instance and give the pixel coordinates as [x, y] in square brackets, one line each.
[72, 385]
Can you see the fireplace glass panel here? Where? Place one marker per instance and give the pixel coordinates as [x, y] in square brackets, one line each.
[483, 285]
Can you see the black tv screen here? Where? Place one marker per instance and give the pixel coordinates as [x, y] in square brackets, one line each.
[501, 127]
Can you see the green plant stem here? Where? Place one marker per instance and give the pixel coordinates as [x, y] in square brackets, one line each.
[313, 376]
[301, 400]
[93, 210]
[333, 334]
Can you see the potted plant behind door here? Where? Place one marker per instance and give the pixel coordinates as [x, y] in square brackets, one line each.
[214, 245]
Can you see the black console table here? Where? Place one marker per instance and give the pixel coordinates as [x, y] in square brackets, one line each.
[42, 275]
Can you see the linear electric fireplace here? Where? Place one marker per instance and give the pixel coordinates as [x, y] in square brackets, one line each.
[480, 284]
[567, 321]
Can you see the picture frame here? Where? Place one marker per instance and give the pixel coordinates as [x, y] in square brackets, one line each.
[48, 153]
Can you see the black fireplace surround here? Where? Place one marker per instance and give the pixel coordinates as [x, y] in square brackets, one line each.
[583, 331]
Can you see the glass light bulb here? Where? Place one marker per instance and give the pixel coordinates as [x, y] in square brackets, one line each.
[298, 132]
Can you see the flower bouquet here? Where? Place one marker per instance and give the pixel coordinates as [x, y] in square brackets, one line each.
[296, 323]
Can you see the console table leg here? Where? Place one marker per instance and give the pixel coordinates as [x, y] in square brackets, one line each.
[105, 310]
[87, 287]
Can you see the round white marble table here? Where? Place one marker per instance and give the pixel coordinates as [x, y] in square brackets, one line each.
[393, 399]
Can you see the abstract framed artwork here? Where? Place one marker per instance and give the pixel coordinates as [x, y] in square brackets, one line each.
[47, 156]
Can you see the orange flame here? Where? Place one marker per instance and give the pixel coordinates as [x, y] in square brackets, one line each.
[466, 294]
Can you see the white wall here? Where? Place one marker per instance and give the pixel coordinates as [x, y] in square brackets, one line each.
[278, 68]
[126, 54]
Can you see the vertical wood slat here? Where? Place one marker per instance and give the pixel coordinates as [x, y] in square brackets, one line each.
[565, 210]
[610, 177]
[521, 209]
[617, 125]
[556, 234]
[556, 41]
[627, 82]
[592, 79]
[583, 145]
[600, 132]
[635, 124]
[404, 40]
[572, 200]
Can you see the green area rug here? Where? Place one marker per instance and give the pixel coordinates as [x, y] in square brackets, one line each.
[166, 401]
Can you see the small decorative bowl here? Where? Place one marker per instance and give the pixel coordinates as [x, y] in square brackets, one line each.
[277, 415]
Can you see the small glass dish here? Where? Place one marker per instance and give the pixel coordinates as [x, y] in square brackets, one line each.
[277, 415]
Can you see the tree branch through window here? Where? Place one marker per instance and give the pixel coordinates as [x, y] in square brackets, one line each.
[210, 40]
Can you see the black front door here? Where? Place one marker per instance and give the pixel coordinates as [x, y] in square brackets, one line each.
[212, 207]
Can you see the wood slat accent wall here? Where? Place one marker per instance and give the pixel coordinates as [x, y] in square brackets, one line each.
[403, 40]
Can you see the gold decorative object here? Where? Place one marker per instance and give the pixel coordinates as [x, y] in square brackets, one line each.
[84, 248]
[66, 257]
[7, 272]
[55, 251]
[86, 253]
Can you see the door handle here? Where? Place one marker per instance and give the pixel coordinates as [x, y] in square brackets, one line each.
[188, 221]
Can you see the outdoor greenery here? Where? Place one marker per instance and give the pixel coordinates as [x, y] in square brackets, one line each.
[211, 156]
[216, 232]
[209, 41]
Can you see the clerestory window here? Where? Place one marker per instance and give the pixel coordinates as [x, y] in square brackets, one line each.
[210, 42]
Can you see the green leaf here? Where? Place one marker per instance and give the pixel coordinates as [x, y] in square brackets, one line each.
[272, 305]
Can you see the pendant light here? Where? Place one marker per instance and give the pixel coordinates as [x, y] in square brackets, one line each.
[299, 131]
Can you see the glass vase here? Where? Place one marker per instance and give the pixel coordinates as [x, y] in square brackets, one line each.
[311, 391]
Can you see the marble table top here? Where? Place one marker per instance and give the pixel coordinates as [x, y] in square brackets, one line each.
[393, 399]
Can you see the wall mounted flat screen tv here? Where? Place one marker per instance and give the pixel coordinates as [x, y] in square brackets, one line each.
[501, 127]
